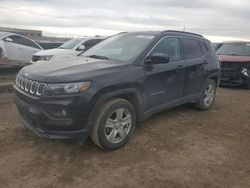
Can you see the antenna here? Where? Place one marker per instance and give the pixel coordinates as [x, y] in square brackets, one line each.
[184, 29]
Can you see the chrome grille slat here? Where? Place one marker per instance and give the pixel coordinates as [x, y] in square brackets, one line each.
[40, 89]
[33, 87]
[22, 82]
[30, 86]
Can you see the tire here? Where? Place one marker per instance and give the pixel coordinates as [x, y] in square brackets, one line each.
[114, 125]
[207, 95]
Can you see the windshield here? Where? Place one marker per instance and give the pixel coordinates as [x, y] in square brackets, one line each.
[124, 47]
[238, 49]
[70, 44]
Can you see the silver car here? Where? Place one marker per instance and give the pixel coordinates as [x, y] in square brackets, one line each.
[70, 48]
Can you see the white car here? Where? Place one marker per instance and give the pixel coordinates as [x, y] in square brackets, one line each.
[72, 47]
[16, 50]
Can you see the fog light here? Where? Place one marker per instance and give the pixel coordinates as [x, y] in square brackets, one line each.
[59, 113]
[64, 113]
[245, 72]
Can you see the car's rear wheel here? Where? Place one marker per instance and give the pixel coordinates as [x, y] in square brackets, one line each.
[114, 124]
[207, 95]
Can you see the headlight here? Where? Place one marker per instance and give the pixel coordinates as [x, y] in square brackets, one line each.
[67, 88]
[45, 58]
[245, 72]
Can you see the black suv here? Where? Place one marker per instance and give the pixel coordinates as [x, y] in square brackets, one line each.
[120, 81]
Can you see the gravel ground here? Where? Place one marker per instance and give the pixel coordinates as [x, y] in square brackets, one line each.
[181, 147]
[8, 74]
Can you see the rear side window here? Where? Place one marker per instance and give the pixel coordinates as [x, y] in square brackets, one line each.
[170, 47]
[23, 41]
[191, 48]
[92, 42]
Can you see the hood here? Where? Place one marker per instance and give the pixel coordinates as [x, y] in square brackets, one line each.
[55, 51]
[72, 70]
[233, 58]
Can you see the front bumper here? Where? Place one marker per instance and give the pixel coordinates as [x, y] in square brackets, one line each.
[36, 118]
[232, 74]
[58, 135]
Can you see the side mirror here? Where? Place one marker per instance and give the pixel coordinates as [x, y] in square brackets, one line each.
[81, 47]
[8, 39]
[158, 58]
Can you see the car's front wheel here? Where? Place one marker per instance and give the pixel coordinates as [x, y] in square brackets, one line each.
[115, 122]
[207, 95]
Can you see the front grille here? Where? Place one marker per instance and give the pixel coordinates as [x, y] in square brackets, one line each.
[233, 66]
[30, 86]
[35, 58]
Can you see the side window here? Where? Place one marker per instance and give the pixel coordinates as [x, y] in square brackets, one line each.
[15, 39]
[29, 43]
[203, 47]
[170, 47]
[191, 48]
[23, 41]
[90, 43]
[96, 41]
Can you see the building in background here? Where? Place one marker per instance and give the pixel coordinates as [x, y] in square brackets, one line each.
[34, 34]
[26, 32]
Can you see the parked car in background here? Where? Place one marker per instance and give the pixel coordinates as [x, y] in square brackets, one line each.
[16, 50]
[235, 63]
[72, 47]
[124, 79]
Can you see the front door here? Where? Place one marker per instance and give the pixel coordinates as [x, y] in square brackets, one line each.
[165, 82]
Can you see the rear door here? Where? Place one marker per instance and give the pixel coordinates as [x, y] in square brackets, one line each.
[13, 49]
[165, 82]
[195, 64]
[28, 48]
[20, 48]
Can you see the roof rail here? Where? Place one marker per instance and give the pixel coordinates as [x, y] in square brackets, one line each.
[121, 32]
[183, 32]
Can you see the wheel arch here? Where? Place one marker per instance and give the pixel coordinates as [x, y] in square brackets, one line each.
[215, 78]
[131, 94]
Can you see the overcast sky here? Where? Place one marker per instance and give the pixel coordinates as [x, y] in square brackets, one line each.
[218, 20]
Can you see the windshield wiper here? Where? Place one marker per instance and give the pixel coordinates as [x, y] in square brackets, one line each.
[97, 57]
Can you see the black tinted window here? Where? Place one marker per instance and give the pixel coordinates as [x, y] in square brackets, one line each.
[191, 48]
[170, 47]
[23, 41]
[88, 44]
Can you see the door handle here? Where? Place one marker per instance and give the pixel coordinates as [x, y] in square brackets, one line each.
[180, 66]
[205, 62]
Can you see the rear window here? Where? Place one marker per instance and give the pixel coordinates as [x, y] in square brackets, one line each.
[191, 48]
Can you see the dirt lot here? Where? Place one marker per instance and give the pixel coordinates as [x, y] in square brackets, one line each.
[182, 147]
[8, 74]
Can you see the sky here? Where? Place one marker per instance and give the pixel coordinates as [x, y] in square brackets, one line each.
[217, 20]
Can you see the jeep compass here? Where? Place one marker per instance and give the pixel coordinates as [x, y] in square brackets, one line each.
[125, 79]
